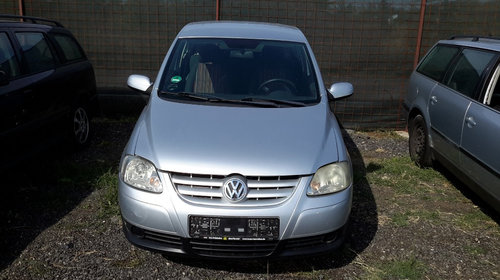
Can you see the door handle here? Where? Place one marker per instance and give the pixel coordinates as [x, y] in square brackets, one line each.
[470, 122]
[434, 100]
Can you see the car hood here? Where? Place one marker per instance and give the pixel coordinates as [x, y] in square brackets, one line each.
[224, 140]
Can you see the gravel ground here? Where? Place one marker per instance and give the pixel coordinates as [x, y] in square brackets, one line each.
[71, 238]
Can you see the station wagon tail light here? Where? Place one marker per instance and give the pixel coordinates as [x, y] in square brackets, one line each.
[331, 178]
[140, 173]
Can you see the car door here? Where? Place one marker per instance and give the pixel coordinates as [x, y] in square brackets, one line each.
[480, 147]
[39, 62]
[75, 73]
[13, 92]
[447, 108]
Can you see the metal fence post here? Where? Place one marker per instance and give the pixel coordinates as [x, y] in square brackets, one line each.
[420, 31]
[217, 10]
[21, 7]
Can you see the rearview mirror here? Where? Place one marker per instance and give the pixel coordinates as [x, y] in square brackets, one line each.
[341, 90]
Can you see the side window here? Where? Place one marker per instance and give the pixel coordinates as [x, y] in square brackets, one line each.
[468, 70]
[436, 62]
[36, 51]
[71, 49]
[8, 62]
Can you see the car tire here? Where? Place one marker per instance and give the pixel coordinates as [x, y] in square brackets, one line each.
[418, 143]
[80, 127]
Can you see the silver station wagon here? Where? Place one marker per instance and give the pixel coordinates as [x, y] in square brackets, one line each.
[237, 154]
[454, 112]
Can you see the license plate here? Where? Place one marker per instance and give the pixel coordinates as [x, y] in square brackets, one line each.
[223, 228]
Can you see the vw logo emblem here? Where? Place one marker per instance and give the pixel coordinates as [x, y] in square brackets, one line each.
[235, 189]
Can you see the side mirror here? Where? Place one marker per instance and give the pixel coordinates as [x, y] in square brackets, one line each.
[341, 90]
[139, 82]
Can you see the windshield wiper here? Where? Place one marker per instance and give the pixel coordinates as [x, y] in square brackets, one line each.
[261, 102]
[275, 101]
[186, 94]
[205, 98]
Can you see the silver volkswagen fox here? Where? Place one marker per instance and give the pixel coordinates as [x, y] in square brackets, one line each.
[237, 154]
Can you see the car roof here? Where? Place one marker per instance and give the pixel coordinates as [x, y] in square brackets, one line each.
[16, 21]
[474, 42]
[242, 29]
[24, 25]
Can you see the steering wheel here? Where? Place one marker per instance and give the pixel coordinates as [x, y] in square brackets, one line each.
[272, 85]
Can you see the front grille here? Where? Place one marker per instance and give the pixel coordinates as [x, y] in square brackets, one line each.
[224, 248]
[207, 189]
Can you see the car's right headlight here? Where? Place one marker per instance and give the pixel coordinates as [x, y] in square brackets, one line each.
[331, 178]
[140, 173]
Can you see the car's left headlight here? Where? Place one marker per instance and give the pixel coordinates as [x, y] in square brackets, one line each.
[331, 178]
[141, 174]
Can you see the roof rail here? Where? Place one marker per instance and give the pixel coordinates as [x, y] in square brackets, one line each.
[474, 38]
[31, 19]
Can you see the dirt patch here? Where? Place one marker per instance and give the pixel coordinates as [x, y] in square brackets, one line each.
[58, 223]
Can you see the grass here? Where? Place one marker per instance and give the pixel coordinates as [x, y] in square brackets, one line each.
[414, 216]
[476, 221]
[51, 187]
[474, 250]
[409, 268]
[108, 183]
[400, 219]
[402, 269]
[404, 177]
[418, 195]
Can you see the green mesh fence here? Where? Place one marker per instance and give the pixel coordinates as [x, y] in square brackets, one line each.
[371, 43]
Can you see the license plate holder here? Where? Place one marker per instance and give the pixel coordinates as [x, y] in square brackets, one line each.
[234, 228]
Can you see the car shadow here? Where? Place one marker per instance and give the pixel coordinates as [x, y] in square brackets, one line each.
[467, 192]
[31, 200]
[362, 229]
[41, 190]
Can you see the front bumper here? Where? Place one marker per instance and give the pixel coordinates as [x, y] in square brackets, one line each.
[308, 225]
[175, 245]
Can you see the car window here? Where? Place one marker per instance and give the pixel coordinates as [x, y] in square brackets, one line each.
[436, 62]
[69, 46]
[241, 68]
[36, 51]
[8, 62]
[468, 70]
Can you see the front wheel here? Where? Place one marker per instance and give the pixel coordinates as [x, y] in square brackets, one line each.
[420, 151]
[81, 127]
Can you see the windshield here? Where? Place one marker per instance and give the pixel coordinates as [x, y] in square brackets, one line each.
[240, 69]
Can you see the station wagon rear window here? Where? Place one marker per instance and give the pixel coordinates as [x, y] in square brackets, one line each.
[467, 72]
[437, 61]
[70, 48]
